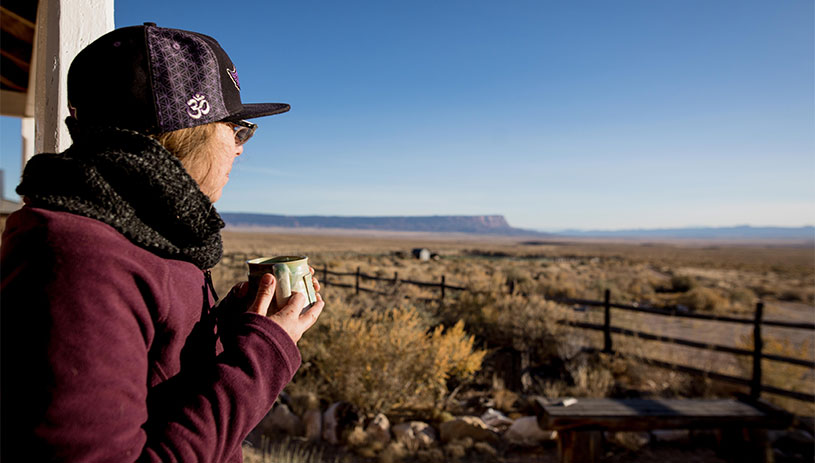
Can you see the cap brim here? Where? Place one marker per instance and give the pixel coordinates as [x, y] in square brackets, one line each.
[253, 110]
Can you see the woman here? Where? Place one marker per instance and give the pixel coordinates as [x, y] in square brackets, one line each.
[111, 348]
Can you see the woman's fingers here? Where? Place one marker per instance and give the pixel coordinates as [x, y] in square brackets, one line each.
[314, 279]
[295, 322]
[310, 316]
[264, 295]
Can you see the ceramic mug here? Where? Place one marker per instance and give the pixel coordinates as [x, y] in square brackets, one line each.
[291, 273]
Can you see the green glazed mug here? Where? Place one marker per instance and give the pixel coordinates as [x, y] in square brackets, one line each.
[291, 273]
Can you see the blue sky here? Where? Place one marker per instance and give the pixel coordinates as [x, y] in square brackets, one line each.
[593, 114]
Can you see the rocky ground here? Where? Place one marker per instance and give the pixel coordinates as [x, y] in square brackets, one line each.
[297, 430]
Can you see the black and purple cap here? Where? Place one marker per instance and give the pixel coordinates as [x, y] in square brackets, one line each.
[154, 80]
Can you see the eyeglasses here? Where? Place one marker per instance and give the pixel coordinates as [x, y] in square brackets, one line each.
[243, 131]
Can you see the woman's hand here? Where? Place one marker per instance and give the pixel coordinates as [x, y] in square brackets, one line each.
[289, 317]
[314, 280]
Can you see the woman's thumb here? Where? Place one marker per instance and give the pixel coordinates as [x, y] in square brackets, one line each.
[264, 296]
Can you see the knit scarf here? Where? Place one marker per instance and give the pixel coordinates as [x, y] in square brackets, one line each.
[132, 183]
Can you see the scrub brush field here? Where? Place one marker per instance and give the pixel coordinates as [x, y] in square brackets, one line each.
[395, 349]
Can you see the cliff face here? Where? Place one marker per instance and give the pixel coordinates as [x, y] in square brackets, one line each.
[490, 224]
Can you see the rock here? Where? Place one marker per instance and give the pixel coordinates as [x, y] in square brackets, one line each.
[802, 437]
[455, 450]
[773, 435]
[467, 426]
[671, 435]
[379, 429]
[630, 440]
[338, 421]
[301, 403]
[433, 455]
[330, 424]
[282, 421]
[467, 443]
[313, 421]
[525, 432]
[485, 448]
[794, 442]
[496, 419]
[414, 434]
[393, 453]
[458, 448]
[356, 437]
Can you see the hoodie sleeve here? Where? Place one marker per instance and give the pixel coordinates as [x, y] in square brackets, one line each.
[220, 405]
[77, 331]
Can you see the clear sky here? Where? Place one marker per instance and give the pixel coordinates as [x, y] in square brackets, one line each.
[556, 114]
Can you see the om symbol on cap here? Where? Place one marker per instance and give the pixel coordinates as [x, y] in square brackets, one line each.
[198, 106]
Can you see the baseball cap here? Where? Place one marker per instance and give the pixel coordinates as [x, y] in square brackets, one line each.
[154, 80]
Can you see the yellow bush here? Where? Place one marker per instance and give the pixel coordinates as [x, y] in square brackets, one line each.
[705, 299]
[380, 359]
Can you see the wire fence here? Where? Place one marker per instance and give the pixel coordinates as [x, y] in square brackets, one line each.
[754, 382]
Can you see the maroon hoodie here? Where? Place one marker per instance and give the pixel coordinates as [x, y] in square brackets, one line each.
[111, 353]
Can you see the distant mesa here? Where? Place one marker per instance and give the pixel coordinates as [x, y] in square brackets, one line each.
[477, 224]
[741, 232]
[498, 225]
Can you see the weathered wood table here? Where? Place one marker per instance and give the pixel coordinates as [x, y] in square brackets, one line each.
[580, 426]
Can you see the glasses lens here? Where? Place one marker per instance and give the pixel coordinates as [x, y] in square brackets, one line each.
[242, 134]
[243, 131]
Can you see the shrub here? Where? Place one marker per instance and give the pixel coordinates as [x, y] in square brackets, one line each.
[592, 381]
[381, 359]
[520, 280]
[793, 295]
[585, 377]
[743, 298]
[682, 283]
[704, 299]
[520, 322]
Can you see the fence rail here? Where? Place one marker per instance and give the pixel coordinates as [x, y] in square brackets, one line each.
[757, 354]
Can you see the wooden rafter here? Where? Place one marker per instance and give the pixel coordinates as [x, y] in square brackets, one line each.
[11, 85]
[23, 64]
[16, 25]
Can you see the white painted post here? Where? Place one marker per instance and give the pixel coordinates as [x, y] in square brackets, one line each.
[64, 27]
[27, 127]
[28, 133]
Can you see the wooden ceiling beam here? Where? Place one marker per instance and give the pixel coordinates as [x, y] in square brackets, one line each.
[21, 63]
[16, 25]
[11, 85]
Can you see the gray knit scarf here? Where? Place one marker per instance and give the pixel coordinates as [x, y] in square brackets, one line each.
[130, 182]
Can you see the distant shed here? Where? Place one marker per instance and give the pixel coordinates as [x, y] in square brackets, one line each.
[421, 253]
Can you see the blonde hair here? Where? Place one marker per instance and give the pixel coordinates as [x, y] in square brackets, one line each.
[191, 147]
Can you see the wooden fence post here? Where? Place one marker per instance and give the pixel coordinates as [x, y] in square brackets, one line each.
[607, 323]
[442, 287]
[357, 284]
[395, 278]
[755, 384]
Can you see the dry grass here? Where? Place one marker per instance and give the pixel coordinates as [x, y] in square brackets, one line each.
[719, 278]
[284, 451]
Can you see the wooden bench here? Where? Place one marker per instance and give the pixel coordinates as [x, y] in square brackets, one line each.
[581, 425]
